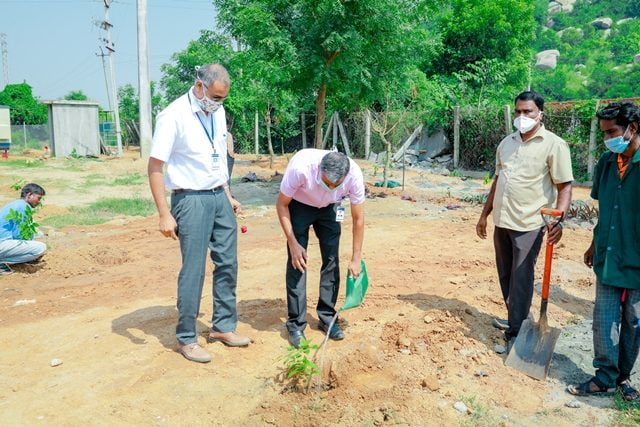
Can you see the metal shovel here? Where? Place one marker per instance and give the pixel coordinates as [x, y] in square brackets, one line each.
[533, 349]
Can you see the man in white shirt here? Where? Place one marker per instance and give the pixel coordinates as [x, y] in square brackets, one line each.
[190, 138]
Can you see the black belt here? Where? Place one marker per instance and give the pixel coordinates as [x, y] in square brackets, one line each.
[185, 191]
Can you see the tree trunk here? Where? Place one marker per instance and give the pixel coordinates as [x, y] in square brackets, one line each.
[267, 120]
[367, 134]
[387, 163]
[320, 113]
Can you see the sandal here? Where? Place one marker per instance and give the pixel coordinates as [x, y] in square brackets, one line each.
[589, 388]
[628, 392]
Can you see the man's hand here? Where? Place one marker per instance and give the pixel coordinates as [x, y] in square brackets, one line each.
[554, 233]
[588, 256]
[168, 226]
[235, 205]
[298, 256]
[355, 267]
[481, 227]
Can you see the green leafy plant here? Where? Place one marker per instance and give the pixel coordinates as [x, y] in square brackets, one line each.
[74, 154]
[487, 179]
[456, 173]
[17, 185]
[298, 366]
[28, 228]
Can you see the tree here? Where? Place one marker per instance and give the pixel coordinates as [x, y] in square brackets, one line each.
[25, 108]
[76, 95]
[180, 74]
[474, 30]
[129, 111]
[339, 47]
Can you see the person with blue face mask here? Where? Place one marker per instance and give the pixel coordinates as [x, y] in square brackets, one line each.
[313, 189]
[614, 254]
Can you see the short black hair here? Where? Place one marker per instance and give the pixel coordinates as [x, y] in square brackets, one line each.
[529, 95]
[31, 188]
[622, 112]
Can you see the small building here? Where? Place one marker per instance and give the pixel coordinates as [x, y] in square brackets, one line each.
[5, 130]
[73, 126]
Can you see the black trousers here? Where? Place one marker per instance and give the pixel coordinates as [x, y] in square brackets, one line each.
[516, 255]
[327, 229]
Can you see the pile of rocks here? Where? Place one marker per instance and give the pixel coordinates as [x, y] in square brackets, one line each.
[430, 152]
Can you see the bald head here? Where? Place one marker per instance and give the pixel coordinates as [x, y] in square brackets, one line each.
[212, 73]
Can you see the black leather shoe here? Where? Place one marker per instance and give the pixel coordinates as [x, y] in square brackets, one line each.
[335, 334]
[295, 337]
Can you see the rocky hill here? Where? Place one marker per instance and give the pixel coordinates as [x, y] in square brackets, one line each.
[588, 49]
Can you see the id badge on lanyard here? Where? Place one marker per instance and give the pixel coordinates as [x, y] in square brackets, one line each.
[339, 211]
[215, 157]
[215, 161]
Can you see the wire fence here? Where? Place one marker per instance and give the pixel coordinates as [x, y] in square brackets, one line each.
[480, 131]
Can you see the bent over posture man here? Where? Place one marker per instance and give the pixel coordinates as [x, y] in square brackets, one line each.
[311, 194]
[190, 138]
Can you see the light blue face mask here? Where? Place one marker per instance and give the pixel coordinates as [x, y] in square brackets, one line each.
[618, 144]
[326, 187]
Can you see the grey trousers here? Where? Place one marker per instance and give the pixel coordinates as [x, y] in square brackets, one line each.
[328, 232]
[206, 220]
[516, 254]
[616, 335]
[19, 251]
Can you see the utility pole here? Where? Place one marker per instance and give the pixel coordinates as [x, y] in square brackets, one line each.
[144, 87]
[102, 55]
[5, 57]
[106, 26]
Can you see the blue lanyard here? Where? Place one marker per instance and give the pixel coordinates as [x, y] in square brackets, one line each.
[209, 136]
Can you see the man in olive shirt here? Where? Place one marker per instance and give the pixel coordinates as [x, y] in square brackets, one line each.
[533, 170]
[614, 254]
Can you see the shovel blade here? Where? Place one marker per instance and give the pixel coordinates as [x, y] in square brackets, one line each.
[533, 349]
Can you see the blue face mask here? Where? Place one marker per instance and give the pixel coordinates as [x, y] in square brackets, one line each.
[326, 187]
[617, 144]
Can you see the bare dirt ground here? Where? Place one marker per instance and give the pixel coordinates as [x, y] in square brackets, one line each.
[103, 302]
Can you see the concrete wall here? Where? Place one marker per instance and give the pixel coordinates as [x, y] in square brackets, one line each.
[5, 124]
[74, 125]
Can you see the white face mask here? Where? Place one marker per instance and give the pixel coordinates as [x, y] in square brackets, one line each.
[207, 104]
[524, 124]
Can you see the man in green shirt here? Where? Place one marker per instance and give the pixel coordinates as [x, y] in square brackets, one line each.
[614, 254]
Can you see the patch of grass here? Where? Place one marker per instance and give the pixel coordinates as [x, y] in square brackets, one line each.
[573, 320]
[93, 180]
[22, 163]
[628, 412]
[455, 173]
[480, 414]
[101, 211]
[474, 199]
[132, 179]
[18, 184]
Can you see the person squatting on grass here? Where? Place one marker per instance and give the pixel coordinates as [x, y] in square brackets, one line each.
[533, 170]
[190, 138]
[16, 244]
[614, 254]
[312, 191]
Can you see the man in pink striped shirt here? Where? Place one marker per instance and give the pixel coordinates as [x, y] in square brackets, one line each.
[312, 192]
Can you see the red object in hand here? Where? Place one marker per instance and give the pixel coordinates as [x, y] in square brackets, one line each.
[243, 228]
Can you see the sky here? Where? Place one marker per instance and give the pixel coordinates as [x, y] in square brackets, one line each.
[52, 44]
